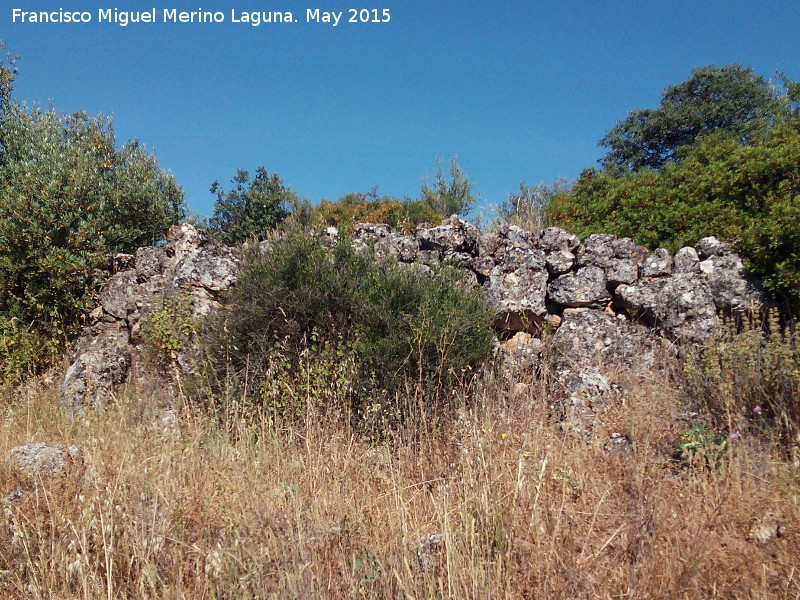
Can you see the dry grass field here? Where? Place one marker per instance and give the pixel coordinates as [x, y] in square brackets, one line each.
[497, 502]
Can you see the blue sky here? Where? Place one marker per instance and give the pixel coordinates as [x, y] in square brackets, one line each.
[517, 90]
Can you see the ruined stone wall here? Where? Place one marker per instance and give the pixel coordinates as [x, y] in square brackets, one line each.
[603, 295]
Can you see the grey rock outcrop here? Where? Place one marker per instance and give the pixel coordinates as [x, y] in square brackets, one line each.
[43, 461]
[454, 235]
[581, 396]
[190, 264]
[585, 287]
[711, 246]
[102, 363]
[592, 337]
[553, 239]
[682, 305]
[560, 262]
[732, 290]
[598, 250]
[686, 261]
[517, 288]
[658, 264]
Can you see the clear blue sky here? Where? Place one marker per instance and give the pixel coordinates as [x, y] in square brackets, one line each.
[518, 90]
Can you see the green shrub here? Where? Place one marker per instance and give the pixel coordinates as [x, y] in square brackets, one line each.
[745, 193]
[701, 446]
[252, 208]
[453, 197]
[169, 328]
[69, 199]
[302, 312]
[527, 208]
[21, 350]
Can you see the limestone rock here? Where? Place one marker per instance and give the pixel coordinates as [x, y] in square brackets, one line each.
[102, 363]
[522, 350]
[118, 295]
[402, 247]
[682, 305]
[732, 290]
[516, 237]
[624, 270]
[658, 264]
[588, 337]
[626, 248]
[581, 397]
[150, 261]
[365, 233]
[598, 250]
[122, 262]
[516, 289]
[43, 461]
[205, 272]
[554, 238]
[686, 261]
[711, 246]
[586, 287]
[454, 234]
[560, 262]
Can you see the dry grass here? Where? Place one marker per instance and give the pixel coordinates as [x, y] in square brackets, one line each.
[501, 503]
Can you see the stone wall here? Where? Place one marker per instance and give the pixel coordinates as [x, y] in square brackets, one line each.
[603, 295]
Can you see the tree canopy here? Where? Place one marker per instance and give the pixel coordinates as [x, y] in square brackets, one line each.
[69, 199]
[251, 208]
[731, 99]
[745, 193]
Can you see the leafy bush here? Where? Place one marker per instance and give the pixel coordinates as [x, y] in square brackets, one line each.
[372, 208]
[250, 210]
[70, 199]
[453, 197]
[745, 193]
[304, 305]
[701, 446]
[169, 328]
[21, 350]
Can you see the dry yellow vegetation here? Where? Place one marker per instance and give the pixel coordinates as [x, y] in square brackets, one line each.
[498, 503]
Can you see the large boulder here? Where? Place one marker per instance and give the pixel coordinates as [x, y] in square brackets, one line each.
[205, 273]
[454, 234]
[682, 306]
[580, 397]
[365, 234]
[732, 290]
[553, 239]
[592, 337]
[191, 263]
[658, 264]
[402, 247]
[686, 261]
[102, 363]
[118, 294]
[560, 262]
[150, 262]
[598, 250]
[42, 460]
[516, 289]
[585, 287]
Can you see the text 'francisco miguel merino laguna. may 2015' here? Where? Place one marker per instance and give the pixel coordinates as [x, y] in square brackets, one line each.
[124, 18]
